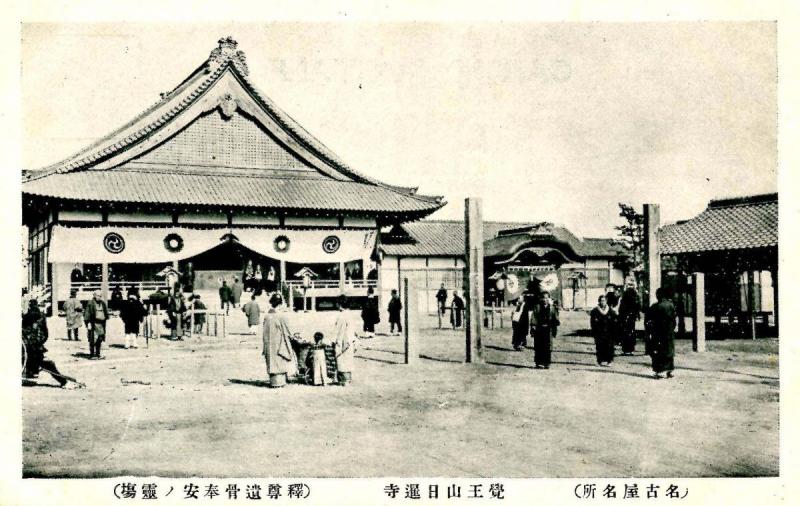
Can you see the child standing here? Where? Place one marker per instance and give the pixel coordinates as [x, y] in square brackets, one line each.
[316, 368]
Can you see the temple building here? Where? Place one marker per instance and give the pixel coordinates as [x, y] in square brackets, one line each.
[732, 249]
[214, 174]
[576, 271]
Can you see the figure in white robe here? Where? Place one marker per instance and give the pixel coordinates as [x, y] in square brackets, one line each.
[278, 353]
[344, 345]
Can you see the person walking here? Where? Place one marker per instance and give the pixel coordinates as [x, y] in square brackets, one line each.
[132, 314]
[660, 325]
[370, 314]
[456, 310]
[395, 306]
[441, 299]
[225, 296]
[520, 324]
[602, 324]
[630, 307]
[236, 292]
[344, 343]
[73, 315]
[545, 322]
[34, 335]
[277, 351]
[95, 316]
[253, 313]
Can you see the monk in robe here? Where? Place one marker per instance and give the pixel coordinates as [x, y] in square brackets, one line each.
[344, 343]
[278, 352]
[660, 325]
[602, 323]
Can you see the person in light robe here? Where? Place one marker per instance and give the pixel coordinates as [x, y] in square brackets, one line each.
[344, 343]
[278, 353]
[253, 313]
[236, 292]
[73, 314]
[316, 365]
[602, 324]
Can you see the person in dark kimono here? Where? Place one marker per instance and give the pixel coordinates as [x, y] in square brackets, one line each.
[456, 311]
[441, 299]
[34, 335]
[612, 300]
[395, 306]
[602, 323]
[95, 316]
[116, 299]
[132, 314]
[370, 314]
[76, 276]
[199, 318]
[660, 324]
[520, 324]
[226, 296]
[630, 307]
[545, 322]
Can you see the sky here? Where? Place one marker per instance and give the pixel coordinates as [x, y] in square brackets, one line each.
[544, 121]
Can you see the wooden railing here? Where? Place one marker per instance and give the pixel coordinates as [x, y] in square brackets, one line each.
[332, 284]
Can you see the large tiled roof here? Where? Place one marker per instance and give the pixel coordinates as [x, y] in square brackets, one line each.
[224, 190]
[446, 238]
[101, 171]
[727, 224]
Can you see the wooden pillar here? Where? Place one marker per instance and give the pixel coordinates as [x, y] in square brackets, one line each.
[652, 258]
[699, 312]
[410, 323]
[751, 303]
[341, 277]
[283, 274]
[774, 274]
[291, 297]
[313, 297]
[104, 281]
[473, 236]
[54, 288]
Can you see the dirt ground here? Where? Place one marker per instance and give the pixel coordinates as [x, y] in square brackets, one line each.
[201, 407]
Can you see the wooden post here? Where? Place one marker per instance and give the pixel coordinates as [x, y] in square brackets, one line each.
[652, 258]
[291, 297]
[774, 274]
[313, 298]
[191, 319]
[341, 277]
[751, 303]
[104, 281]
[411, 323]
[699, 312]
[473, 228]
[224, 326]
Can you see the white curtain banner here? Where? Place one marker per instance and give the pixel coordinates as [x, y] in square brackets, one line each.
[97, 245]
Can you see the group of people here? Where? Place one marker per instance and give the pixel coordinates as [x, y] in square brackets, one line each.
[257, 281]
[456, 306]
[613, 322]
[536, 315]
[288, 355]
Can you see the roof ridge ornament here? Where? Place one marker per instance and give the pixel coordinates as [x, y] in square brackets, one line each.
[226, 53]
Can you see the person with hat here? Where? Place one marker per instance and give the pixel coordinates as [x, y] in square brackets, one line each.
[34, 335]
[95, 316]
[132, 314]
[73, 310]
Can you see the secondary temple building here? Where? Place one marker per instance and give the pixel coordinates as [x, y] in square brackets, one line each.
[215, 174]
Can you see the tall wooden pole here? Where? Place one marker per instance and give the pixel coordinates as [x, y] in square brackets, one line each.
[699, 312]
[652, 258]
[473, 236]
[104, 281]
[410, 323]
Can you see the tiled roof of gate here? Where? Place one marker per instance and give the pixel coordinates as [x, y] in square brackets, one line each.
[340, 188]
[726, 224]
[446, 238]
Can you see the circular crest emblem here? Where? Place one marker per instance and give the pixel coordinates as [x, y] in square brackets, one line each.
[173, 242]
[114, 243]
[282, 244]
[331, 244]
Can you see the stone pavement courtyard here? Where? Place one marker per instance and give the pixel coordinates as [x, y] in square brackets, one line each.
[201, 407]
